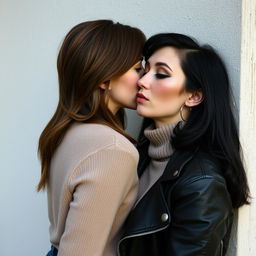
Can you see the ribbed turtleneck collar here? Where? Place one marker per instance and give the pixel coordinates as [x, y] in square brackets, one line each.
[160, 147]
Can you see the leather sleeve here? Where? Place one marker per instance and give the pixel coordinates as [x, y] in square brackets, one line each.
[199, 221]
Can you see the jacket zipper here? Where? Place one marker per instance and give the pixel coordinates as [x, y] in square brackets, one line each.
[221, 248]
[140, 234]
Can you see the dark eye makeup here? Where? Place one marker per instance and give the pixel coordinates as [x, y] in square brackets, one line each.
[161, 76]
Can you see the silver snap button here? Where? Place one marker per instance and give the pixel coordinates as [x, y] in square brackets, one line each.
[164, 217]
[175, 173]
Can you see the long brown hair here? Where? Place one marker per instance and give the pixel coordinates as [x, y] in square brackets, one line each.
[92, 53]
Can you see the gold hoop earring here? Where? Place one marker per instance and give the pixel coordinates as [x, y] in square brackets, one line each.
[181, 113]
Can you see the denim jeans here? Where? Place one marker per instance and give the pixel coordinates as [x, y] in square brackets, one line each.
[52, 252]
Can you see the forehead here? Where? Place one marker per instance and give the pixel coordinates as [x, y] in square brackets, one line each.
[166, 54]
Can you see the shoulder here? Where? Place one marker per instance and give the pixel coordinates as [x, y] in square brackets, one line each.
[101, 153]
[203, 166]
[202, 177]
[90, 141]
[94, 137]
[195, 171]
[202, 181]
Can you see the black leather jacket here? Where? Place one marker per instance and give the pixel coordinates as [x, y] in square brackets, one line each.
[187, 212]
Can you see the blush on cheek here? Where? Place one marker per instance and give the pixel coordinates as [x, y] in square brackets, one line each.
[129, 81]
[167, 91]
[133, 82]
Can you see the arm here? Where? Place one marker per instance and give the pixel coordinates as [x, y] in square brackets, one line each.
[199, 217]
[99, 185]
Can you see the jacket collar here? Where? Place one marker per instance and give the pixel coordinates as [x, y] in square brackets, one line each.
[152, 212]
[176, 163]
[174, 166]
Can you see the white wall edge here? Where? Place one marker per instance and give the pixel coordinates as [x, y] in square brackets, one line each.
[246, 236]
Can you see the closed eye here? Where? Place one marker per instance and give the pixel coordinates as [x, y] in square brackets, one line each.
[138, 70]
[161, 76]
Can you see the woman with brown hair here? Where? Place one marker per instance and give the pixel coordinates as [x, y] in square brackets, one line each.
[88, 161]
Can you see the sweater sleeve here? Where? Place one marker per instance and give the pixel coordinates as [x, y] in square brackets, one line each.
[99, 185]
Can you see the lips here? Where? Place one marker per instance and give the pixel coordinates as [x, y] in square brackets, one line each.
[141, 98]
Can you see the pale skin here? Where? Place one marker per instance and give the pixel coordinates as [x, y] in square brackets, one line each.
[123, 89]
[161, 89]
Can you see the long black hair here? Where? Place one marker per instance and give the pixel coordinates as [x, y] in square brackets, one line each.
[211, 125]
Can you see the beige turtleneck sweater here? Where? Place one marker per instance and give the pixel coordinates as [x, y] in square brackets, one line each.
[93, 185]
[159, 151]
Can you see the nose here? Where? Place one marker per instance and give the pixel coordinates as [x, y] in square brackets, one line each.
[143, 82]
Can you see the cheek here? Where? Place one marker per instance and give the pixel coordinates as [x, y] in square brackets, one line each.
[132, 80]
[124, 90]
[129, 83]
[165, 91]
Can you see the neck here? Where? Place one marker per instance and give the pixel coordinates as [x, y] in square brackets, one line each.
[113, 107]
[160, 141]
[162, 122]
[159, 122]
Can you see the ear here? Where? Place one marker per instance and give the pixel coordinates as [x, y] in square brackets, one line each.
[194, 99]
[105, 85]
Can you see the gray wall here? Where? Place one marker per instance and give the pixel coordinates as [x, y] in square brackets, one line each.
[31, 33]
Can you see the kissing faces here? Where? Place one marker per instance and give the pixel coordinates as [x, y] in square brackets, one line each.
[162, 91]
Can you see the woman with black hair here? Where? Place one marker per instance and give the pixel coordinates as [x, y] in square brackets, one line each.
[191, 173]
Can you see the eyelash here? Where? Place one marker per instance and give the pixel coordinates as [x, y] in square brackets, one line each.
[161, 76]
[138, 70]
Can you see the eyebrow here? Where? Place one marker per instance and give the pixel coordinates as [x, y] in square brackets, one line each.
[162, 64]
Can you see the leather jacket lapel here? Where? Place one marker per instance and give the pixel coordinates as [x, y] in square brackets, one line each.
[175, 165]
[150, 214]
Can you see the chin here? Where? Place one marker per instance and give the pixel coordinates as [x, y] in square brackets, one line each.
[141, 113]
[132, 105]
